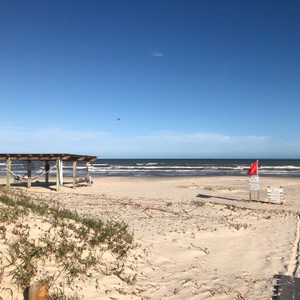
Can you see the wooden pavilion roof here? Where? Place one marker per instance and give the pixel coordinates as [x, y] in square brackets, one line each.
[47, 156]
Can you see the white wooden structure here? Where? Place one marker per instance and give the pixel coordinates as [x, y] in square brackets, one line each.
[275, 195]
[57, 158]
[253, 186]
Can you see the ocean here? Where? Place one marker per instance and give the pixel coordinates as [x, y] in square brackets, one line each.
[168, 167]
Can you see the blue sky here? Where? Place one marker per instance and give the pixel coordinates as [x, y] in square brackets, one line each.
[188, 79]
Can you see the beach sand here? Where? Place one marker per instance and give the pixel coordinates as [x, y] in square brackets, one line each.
[194, 237]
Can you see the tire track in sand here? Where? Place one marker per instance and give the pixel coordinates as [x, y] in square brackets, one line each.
[294, 261]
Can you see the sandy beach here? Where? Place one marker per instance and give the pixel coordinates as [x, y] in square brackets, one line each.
[193, 237]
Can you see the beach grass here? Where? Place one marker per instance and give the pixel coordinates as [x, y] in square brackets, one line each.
[70, 245]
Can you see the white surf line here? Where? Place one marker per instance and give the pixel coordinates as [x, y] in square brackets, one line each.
[294, 261]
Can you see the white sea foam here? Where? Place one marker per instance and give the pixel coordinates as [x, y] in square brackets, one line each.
[169, 167]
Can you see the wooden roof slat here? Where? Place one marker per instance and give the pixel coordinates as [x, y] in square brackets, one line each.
[47, 156]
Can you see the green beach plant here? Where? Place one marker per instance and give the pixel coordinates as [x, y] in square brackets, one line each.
[76, 243]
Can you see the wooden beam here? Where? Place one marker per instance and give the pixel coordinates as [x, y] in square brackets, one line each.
[8, 167]
[74, 174]
[29, 168]
[46, 156]
[88, 173]
[47, 168]
[57, 175]
[61, 172]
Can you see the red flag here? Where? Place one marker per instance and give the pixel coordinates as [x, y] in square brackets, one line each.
[253, 168]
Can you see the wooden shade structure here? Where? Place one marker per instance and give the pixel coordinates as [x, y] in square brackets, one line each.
[58, 158]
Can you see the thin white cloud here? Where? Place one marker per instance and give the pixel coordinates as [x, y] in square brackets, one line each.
[17, 139]
[10, 133]
[198, 144]
[159, 144]
[67, 135]
[157, 54]
[207, 137]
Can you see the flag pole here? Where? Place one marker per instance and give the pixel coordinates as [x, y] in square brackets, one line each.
[258, 179]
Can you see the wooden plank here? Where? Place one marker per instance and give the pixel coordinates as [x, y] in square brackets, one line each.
[29, 168]
[61, 172]
[47, 168]
[254, 183]
[297, 287]
[88, 176]
[57, 176]
[8, 167]
[251, 197]
[74, 174]
[288, 288]
[46, 156]
[275, 195]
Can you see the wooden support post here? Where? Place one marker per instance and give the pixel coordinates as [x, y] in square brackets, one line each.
[61, 172]
[88, 173]
[29, 168]
[257, 195]
[47, 168]
[74, 174]
[8, 167]
[57, 175]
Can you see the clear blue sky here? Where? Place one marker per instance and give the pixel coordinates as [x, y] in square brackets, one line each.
[188, 79]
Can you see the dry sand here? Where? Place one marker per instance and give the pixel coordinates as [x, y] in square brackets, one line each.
[194, 237]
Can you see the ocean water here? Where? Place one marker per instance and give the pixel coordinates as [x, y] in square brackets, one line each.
[168, 167]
